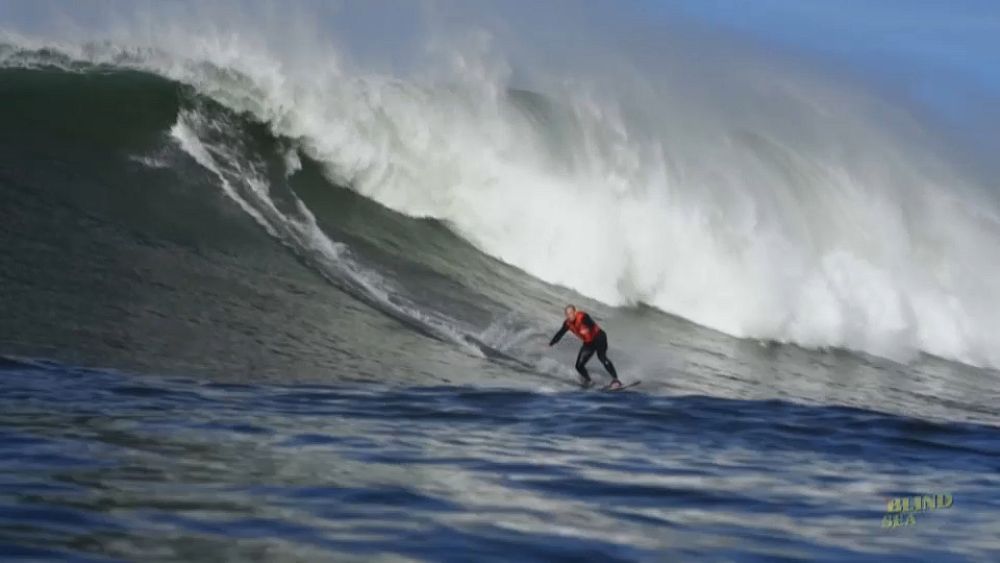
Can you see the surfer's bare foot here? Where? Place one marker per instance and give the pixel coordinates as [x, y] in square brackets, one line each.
[615, 384]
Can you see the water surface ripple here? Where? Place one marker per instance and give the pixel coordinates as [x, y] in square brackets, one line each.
[97, 465]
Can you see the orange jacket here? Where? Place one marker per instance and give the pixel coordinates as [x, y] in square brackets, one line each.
[582, 326]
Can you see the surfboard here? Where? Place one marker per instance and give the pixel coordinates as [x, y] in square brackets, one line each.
[622, 388]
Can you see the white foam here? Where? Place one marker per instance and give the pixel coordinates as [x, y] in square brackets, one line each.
[292, 162]
[150, 161]
[191, 144]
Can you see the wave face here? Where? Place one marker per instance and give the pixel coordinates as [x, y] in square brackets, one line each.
[760, 200]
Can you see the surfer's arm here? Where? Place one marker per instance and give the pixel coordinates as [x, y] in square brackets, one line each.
[562, 331]
[587, 321]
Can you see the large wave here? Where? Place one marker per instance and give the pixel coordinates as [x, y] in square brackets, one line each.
[747, 195]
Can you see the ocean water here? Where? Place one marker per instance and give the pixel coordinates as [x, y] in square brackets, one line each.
[255, 307]
[109, 466]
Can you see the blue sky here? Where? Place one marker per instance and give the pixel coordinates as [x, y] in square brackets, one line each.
[942, 35]
[942, 54]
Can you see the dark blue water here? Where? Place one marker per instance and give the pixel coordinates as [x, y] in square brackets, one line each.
[102, 466]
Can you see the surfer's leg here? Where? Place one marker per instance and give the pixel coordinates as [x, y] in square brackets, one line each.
[582, 357]
[602, 355]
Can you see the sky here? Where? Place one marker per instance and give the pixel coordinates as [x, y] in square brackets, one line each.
[942, 54]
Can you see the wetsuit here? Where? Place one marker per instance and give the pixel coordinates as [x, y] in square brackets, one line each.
[594, 340]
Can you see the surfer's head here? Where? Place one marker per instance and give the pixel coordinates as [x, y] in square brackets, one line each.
[570, 311]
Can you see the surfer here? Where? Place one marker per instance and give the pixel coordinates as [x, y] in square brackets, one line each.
[594, 340]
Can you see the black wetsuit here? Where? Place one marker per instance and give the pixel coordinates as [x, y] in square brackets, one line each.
[599, 345]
